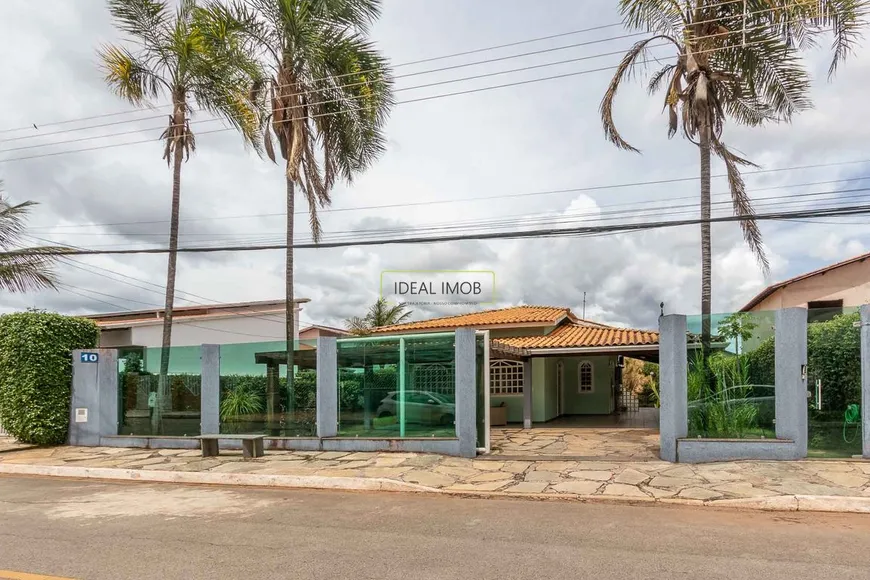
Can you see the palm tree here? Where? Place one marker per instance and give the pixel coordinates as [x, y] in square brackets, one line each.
[380, 314]
[182, 56]
[733, 61]
[328, 93]
[22, 269]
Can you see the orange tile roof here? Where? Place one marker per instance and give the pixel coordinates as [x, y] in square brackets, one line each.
[581, 335]
[506, 316]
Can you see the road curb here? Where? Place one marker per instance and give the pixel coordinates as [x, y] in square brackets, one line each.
[784, 503]
[230, 479]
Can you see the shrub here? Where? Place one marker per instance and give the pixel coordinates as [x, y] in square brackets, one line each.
[36, 373]
[833, 355]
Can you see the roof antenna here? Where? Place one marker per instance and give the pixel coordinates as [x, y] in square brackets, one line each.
[584, 306]
[662, 306]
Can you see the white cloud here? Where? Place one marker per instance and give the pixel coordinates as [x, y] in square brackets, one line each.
[462, 150]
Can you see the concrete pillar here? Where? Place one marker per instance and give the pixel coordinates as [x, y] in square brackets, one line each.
[210, 389]
[791, 377]
[466, 391]
[296, 312]
[94, 400]
[865, 378]
[673, 384]
[272, 395]
[368, 385]
[527, 394]
[327, 386]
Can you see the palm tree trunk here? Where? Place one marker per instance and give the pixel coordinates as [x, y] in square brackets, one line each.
[163, 395]
[706, 266]
[706, 259]
[289, 304]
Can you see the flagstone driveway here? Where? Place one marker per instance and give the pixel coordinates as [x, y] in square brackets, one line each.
[641, 480]
[605, 443]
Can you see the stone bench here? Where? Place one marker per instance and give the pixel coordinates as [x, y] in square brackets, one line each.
[252, 445]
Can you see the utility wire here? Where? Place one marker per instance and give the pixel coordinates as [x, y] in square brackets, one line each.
[604, 187]
[555, 219]
[161, 290]
[536, 233]
[443, 57]
[404, 64]
[408, 101]
[180, 322]
[528, 219]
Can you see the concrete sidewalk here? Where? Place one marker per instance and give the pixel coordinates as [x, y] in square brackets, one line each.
[801, 485]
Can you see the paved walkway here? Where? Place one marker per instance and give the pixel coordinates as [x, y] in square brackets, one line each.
[642, 480]
[579, 443]
[10, 444]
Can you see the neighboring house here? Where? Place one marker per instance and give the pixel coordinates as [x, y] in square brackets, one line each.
[824, 292]
[315, 331]
[243, 322]
[572, 364]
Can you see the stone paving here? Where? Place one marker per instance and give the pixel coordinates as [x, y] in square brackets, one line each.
[612, 443]
[627, 480]
[10, 444]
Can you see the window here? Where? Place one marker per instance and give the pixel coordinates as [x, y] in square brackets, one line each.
[823, 310]
[505, 377]
[434, 377]
[585, 377]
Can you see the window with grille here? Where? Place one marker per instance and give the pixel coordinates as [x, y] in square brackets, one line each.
[505, 377]
[585, 378]
[434, 377]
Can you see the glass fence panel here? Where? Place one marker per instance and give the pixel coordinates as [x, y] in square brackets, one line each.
[397, 386]
[731, 375]
[255, 395]
[480, 387]
[834, 382]
[148, 408]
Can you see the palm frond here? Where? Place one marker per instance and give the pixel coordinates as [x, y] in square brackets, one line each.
[12, 218]
[141, 18]
[656, 79]
[129, 77]
[742, 203]
[665, 16]
[624, 71]
[357, 326]
[22, 269]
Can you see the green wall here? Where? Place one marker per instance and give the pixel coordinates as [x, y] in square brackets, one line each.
[545, 393]
[598, 401]
[514, 404]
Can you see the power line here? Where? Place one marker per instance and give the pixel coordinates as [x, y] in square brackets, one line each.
[487, 198]
[537, 233]
[214, 120]
[179, 322]
[443, 57]
[421, 61]
[91, 269]
[349, 85]
[550, 219]
[408, 101]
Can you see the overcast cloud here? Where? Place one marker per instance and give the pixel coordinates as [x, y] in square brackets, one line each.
[529, 138]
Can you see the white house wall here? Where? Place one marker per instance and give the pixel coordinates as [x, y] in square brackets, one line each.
[229, 330]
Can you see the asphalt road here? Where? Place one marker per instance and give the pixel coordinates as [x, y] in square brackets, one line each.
[94, 531]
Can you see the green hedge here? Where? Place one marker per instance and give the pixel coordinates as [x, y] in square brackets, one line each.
[36, 373]
[833, 355]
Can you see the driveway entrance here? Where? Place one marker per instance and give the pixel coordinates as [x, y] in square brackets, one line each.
[628, 437]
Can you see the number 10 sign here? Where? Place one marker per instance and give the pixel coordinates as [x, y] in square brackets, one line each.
[90, 357]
